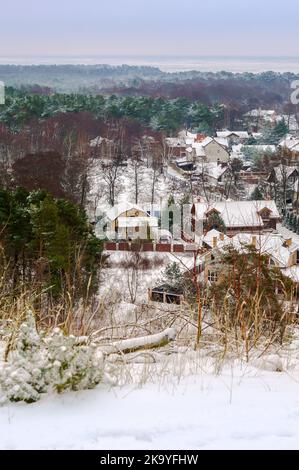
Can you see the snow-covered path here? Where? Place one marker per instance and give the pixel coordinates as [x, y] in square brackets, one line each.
[247, 409]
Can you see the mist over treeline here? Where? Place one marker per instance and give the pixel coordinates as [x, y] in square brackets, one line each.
[262, 89]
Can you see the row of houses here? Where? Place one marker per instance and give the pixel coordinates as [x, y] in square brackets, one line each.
[129, 221]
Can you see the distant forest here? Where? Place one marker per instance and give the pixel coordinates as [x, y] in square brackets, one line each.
[161, 101]
[245, 89]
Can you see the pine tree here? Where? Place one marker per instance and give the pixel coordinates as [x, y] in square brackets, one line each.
[37, 364]
[256, 195]
[22, 378]
[72, 366]
[215, 221]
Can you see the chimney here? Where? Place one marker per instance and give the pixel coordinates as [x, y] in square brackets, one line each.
[215, 242]
[288, 242]
[222, 237]
[253, 241]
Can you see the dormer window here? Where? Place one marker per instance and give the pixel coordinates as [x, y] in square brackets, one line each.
[265, 213]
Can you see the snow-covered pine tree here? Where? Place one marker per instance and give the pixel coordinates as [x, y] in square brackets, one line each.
[72, 366]
[37, 364]
[22, 377]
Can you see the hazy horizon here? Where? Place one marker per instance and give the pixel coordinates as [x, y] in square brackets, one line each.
[168, 63]
[147, 28]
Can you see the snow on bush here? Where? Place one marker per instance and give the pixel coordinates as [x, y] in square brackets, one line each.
[22, 378]
[39, 364]
[72, 367]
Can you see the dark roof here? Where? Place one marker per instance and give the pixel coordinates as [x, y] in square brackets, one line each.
[167, 289]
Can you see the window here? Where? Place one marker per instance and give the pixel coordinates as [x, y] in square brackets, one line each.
[297, 256]
[136, 229]
[212, 276]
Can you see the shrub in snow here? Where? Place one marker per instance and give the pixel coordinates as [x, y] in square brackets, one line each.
[55, 362]
[72, 367]
[22, 378]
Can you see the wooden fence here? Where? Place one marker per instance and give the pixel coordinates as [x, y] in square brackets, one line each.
[150, 247]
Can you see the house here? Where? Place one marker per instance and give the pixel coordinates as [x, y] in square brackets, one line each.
[128, 221]
[214, 173]
[212, 149]
[291, 122]
[256, 119]
[238, 216]
[283, 253]
[283, 174]
[290, 148]
[176, 147]
[234, 137]
[245, 152]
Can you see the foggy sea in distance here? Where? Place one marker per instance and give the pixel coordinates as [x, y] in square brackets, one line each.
[254, 64]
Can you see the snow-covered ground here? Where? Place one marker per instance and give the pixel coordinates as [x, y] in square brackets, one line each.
[242, 408]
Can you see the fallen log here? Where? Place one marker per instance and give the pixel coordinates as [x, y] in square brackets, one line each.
[127, 346]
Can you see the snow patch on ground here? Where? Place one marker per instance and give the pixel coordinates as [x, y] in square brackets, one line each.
[243, 408]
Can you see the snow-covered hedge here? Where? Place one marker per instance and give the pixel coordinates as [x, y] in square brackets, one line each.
[42, 363]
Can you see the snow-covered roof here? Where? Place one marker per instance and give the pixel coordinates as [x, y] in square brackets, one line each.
[265, 113]
[120, 209]
[292, 273]
[238, 213]
[283, 172]
[290, 142]
[209, 238]
[222, 141]
[239, 149]
[200, 147]
[271, 244]
[190, 135]
[228, 134]
[175, 142]
[257, 135]
[212, 169]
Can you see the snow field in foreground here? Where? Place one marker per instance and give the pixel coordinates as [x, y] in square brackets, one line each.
[243, 408]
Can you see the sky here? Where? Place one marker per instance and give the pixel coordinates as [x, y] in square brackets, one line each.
[149, 27]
